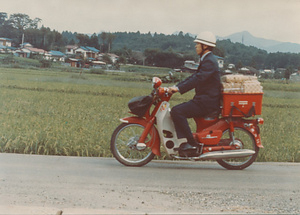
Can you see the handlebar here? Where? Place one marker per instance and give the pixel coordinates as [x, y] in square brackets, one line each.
[161, 92]
[164, 92]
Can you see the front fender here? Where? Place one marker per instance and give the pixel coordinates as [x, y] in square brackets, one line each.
[155, 140]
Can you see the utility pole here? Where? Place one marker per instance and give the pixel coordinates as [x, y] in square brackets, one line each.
[22, 41]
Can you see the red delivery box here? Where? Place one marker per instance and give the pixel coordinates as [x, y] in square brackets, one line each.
[242, 104]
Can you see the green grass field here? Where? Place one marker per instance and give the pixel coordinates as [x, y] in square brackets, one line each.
[51, 112]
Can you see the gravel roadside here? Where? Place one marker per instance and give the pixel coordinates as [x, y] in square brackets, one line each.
[47, 184]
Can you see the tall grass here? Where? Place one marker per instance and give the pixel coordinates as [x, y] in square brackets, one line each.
[55, 113]
[65, 113]
[280, 85]
[57, 123]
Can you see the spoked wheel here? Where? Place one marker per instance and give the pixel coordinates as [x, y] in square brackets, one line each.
[245, 140]
[125, 147]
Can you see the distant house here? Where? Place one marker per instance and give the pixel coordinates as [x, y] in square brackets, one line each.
[24, 45]
[87, 52]
[5, 42]
[97, 64]
[29, 51]
[36, 51]
[73, 62]
[295, 76]
[113, 57]
[5, 45]
[22, 53]
[6, 49]
[70, 49]
[56, 56]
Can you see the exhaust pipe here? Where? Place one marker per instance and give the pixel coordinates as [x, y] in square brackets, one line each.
[221, 155]
[227, 154]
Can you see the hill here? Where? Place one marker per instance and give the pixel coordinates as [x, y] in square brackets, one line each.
[271, 46]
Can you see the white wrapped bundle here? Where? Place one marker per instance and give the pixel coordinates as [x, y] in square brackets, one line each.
[237, 78]
[241, 84]
[252, 87]
[232, 87]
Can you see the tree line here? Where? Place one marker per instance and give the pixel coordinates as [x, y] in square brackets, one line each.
[141, 48]
[241, 55]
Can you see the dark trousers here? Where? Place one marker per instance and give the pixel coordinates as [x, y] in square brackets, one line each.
[180, 113]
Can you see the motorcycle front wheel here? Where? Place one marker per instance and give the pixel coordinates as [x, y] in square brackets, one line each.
[125, 147]
[246, 141]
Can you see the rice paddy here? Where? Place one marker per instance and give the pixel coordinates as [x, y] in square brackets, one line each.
[51, 112]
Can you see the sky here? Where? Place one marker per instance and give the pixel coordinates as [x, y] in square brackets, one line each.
[270, 19]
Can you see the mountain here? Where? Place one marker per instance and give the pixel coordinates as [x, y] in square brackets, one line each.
[269, 45]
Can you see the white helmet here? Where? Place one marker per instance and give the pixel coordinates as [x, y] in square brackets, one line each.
[206, 38]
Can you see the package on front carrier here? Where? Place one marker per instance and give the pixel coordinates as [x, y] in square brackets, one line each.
[242, 96]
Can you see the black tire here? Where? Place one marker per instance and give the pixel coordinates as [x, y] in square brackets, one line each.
[248, 142]
[124, 145]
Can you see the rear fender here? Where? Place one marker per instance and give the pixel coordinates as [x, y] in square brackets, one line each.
[155, 140]
[252, 127]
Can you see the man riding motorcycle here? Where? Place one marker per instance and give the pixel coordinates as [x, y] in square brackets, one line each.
[207, 85]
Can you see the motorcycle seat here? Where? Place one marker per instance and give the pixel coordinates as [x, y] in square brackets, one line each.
[212, 115]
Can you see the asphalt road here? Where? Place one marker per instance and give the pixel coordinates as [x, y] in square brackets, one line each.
[31, 184]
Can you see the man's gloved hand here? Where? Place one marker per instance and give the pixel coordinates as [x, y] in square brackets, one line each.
[173, 89]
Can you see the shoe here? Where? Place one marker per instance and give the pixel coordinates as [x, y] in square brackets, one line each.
[187, 147]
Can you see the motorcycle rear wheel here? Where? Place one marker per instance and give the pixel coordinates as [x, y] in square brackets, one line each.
[125, 148]
[247, 141]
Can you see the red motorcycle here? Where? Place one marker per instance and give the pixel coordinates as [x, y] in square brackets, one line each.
[227, 136]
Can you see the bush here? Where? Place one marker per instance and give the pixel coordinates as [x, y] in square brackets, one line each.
[97, 71]
[9, 59]
[45, 63]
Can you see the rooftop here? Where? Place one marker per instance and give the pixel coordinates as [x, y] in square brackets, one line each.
[88, 48]
[3, 38]
[56, 53]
